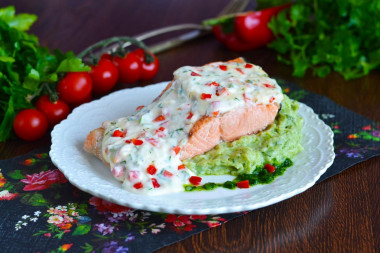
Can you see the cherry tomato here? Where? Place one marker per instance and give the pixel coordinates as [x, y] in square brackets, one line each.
[104, 76]
[54, 112]
[149, 70]
[75, 87]
[129, 68]
[85, 100]
[30, 124]
[106, 56]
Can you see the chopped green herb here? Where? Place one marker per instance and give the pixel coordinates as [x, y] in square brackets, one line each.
[259, 176]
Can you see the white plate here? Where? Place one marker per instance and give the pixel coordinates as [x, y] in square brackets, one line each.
[89, 174]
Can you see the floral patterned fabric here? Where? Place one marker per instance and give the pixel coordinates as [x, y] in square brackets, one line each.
[40, 211]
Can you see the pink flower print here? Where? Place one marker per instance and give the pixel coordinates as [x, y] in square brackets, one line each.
[67, 219]
[43, 180]
[376, 133]
[66, 247]
[28, 162]
[156, 230]
[65, 226]
[188, 227]
[368, 127]
[198, 217]
[47, 234]
[42, 155]
[212, 224]
[104, 229]
[181, 223]
[2, 180]
[6, 195]
[104, 205]
[55, 219]
[170, 218]
[352, 136]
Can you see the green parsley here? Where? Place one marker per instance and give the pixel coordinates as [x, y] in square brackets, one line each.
[26, 69]
[327, 35]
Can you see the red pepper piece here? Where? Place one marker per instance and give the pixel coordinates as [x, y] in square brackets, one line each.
[181, 167]
[240, 71]
[205, 96]
[133, 175]
[213, 84]
[151, 169]
[159, 118]
[215, 113]
[160, 132]
[223, 67]
[128, 141]
[247, 99]
[271, 99]
[118, 133]
[366, 128]
[248, 66]
[190, 115]
[138, 185]
[250, 30]
[231, 40]
[141, 135]
[137, 142]
[270, 168]
[167, 173]
[195, 180]
[252, 27]
[155, 183]
[176, 150]
[243, 184]
[152, 141]
[195, 74]
[138, 108]
[221, 91]
[269, 85]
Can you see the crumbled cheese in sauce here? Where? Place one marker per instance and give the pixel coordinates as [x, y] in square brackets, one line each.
[144, 149]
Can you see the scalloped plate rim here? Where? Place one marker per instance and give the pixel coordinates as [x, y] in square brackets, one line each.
[165, 208]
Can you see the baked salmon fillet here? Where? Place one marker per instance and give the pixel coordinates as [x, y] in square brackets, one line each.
[202, 106]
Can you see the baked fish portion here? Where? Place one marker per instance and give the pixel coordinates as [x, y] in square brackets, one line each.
[200, 108]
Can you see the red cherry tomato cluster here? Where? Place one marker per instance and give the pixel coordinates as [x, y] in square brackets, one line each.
[32, 124]
[250, 29]
[77, 88]
[134, 66]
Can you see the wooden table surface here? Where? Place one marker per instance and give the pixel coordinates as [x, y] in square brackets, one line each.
[341, 214]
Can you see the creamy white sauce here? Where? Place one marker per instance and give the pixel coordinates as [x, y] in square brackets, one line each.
[152, 135]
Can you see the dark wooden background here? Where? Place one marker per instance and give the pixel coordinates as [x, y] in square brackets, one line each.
[341, 214]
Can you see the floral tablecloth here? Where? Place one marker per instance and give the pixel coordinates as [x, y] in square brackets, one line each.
[40, 211]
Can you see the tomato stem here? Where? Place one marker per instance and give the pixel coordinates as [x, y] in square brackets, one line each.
[53, 96]
[219, 20]
[35, 94]
[45, 86]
